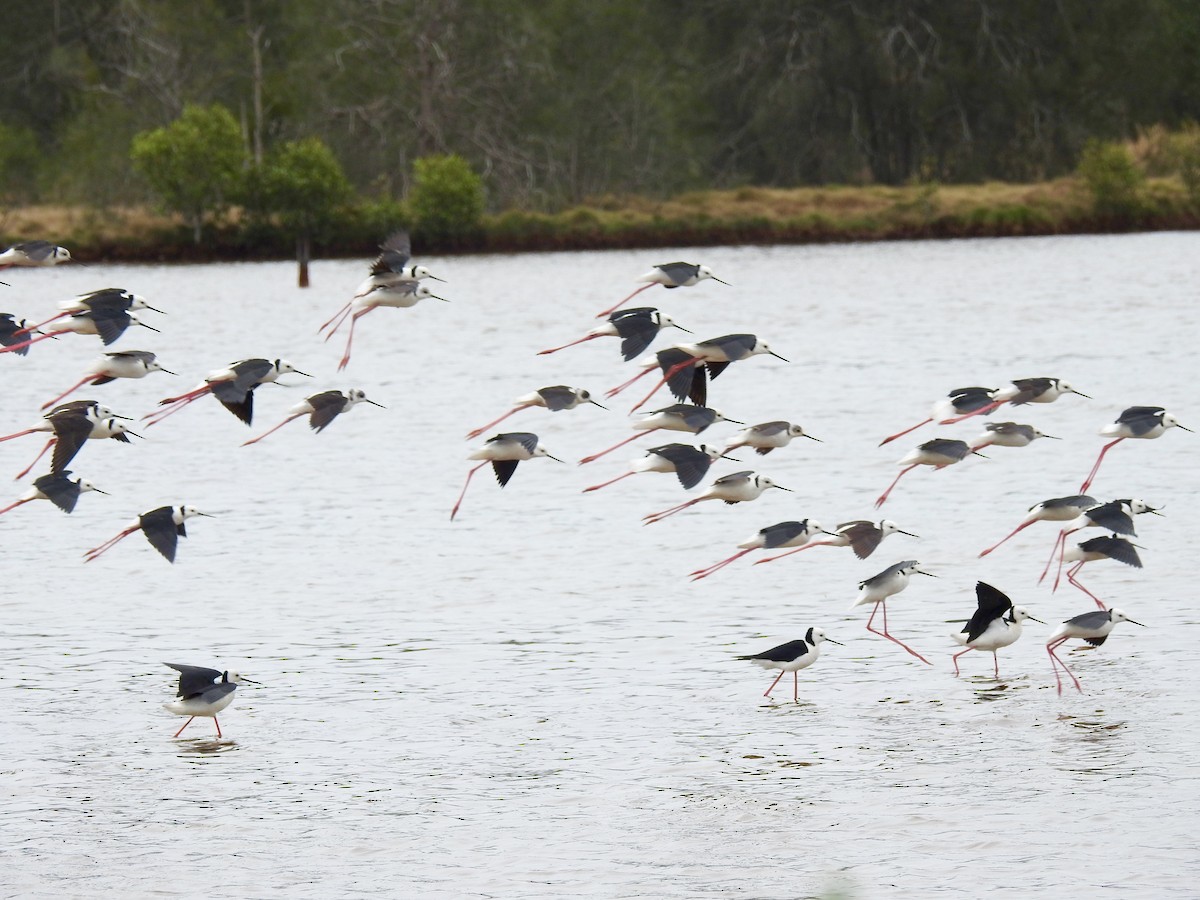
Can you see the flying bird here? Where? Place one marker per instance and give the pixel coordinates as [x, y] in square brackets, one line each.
[321, 409]
[163, 527]
[669, 275]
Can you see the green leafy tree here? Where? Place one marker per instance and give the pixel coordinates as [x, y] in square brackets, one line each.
[1112, 176]
[194, 164]
[447, 197]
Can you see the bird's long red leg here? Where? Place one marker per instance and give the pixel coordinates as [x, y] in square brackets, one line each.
[1071, 573]
[900, 434]
[470, 475]
[340, 315]
[9, 437]
[716, 567]
[612, 393]
[218, 724]
[350, 340]
[12, 506]
[82, 381]
[768, 559]
[773, 683]
[955, 657]
[109, 544]
[1062, 551]
[1059, 541]
[474, 433]
[970, 415]
[50, 443]
[995, 664]
[273, 430]
[1013, 533]
[885, 634]
[596, 487]
[612, 309]
[33, 340]
[1054, 658]
[596, 456]
[1096, 468]
[29, 329]
[795, 685]
[883, 497]
[589, 337]
[185, 725]
[658, 516]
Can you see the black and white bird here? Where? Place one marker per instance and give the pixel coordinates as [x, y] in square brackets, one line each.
[1104, 547]
[233, 386]
[680, 417]
[393, 266]
[1008, 434]
[860, 535]
[1056, 509]
[163, 527]
[689, 464]
[71, 428]
[887, 583]
[401, 295]
[30, 254]
[768, 436]
[59, 488]
[202, 692]
[1093, 627]
[105, 301]
[938, 453]
[503, 451]
[107, 324]
[739, 487]
[321, 409]
[1020, 391]
[960, 403]
[114, 365]
[1140, 422]
[996, 623]
[792, 657]
[669, 275]
[637, 329]
[773, 537]
[13, 331]
[555, 398]
[1115, 516]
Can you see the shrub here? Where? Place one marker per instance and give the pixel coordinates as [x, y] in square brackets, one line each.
[1112, 177]
[447, 197]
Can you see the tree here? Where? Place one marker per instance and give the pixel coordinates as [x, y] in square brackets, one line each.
[194, 164]
[302, 183]
[447, 196]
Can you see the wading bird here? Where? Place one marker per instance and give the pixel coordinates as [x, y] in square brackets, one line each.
[163, 527]
[233, 386]
[859, 535]
[1141, 422]
[887, 583]
[202, 692]
[792, 657]
[1093, 627]
[555, 398]
[503, 451]
[996, 623]
[637, 329]
[669, 275]
[321, 409]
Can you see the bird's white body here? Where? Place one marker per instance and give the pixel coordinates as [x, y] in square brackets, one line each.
[708, 352]
[502, 451]
[738, 490]
[658, 275]
[1068, 630]
[758, 440]
[1122, 430]
[1078, 554]
[84, 324]
[801, 662]
[1042, 513]
[669, 422]
[197, 706]
[121, 365]
[1008, 434]
[401, 295]
[811, 530]
[1000, 633]
[80, 305]
[894, 584]
[653, 462]
[19, 256]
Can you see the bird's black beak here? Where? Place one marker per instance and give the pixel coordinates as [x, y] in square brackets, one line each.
[1080, 393]
[832, 641]
[305, 374]
[555, 458]
[811, 438]
[1185, 428]
[909, 533]
[981, 455]
[435, 278]
[1132, 622]
[436, 297]
[594, 403]
[134, 434]
[169, 372]
[777, 356]
[151, 327]
[734, 422]
[248, 680]
[373, 403]
[727, 456]
[1053, 437]
[1032, 619]
[159, 311]
[782, 488]
[923, 572]
[98, 491]
[681, 328]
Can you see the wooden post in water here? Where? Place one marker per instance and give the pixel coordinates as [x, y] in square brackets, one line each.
[302, 250]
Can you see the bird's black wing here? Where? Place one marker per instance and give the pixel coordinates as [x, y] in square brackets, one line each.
[969, 399]
[217, 691]
[110, 323]
[947, 447]
[788, 652]
[35, 250]
[1029, 389]
[397, 251]
[161, 530]
[679, 383]
[678, 272]
[1082, 501]
[526, 439]
[8, 326]
[238, 400]
[885, 574]
[558, 397]
[504, 469]
[145, 357]
[864, 537]
[637, 332]
[734, 346]
[1114, 548]
[59, 490]
[780, 533]
[194, 680]
[696, 418]
[71, 431]
[326, 405]
[992, 604]
[691, 465]
[1112, 517]
[1141, 419]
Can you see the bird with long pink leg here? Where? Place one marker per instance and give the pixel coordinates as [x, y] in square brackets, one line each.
[996, 624]
[960, 403]
[637, 329]
[71, 427]
[504, 452]
[110, 367]
[202, 693]
[233, 386]
[106, 301]
[162, 527]
[689, 464]
[1093, 627]
[773, 537]
[669, 275]
[321, 409]
[937, 453]
[109, 325]
[740, 487]
[1115, 516]
[768, 436]
[1105, 547]
[1136, 422]
[792, 657]
[555, 398]
[1056, 509]
[679, 417]
[878, 588]
[60, 488]
[860, 535]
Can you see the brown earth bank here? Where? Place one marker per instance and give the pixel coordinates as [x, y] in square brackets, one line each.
[710, 218]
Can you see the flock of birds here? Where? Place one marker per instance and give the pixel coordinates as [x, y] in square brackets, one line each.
[685, 369]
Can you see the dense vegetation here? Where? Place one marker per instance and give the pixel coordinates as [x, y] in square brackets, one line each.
[558, 103]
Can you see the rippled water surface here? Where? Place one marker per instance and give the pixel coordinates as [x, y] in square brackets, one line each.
[534, 700]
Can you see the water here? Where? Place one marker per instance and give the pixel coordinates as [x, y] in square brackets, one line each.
[533, 700]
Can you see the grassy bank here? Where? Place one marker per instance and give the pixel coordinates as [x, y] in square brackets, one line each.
[746, 215]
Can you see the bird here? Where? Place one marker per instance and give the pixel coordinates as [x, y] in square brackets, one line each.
[768, 436]
[679, 417]
[996, 623]
[114, 365]
[555, 398]
[392, 267]
[34, 253]
[1008, 434]
[104, 300]
[401, 295]
[878, 588]
[1142, 422]
[1115, 516]
[689, 464]
[637, 329]
[503, 451]
[163, 527]
[792, 657]
[233, 386]
[108, 324]
[1104, 547]
[683, 365]
[859, 535]
[1093, 627]
[773, 537]
[71, 428]
[961, 402]
[12, 331]
[669, 275]
[59, 488]
[1057, 509]
[202, 692]
[738, 487]
[939, 453]
[1027, 390]
[321, 409]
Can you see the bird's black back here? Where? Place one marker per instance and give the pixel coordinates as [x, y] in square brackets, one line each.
[194, 680]
[992, 604]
